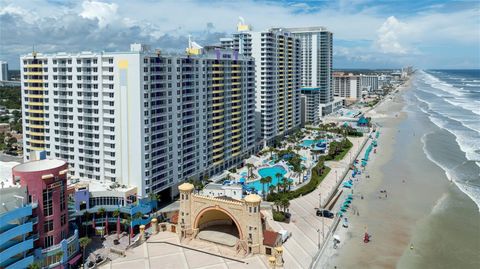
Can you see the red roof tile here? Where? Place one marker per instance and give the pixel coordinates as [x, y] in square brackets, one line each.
[270, 238]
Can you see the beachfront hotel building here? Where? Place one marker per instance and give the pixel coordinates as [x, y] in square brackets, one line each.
[369, 82]
[34, 217]
[277, 76]
[310, 99]
[316, 65]
[347, 86]
[140, 118]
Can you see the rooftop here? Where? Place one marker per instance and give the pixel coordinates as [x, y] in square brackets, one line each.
[97, 186]
[12, 198]
[40, 165]
[270, 238]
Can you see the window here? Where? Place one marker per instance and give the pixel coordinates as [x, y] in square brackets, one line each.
[62, 198]
[48, 241]
[48, 226]
[63, 219]
[47, 203]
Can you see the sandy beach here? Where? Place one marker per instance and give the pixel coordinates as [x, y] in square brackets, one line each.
[415, 189]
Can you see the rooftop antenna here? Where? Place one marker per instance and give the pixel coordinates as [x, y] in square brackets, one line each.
[34, 53]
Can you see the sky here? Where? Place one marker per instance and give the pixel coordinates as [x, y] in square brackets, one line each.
[367, 34]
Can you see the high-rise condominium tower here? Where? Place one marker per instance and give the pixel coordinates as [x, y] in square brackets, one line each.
[140, 118]
[277, 60]
[316, 63]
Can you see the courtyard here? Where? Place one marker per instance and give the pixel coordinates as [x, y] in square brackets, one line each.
[163, 250]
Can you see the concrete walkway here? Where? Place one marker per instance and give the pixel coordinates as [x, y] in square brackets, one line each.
[167, 256]
[307, 229]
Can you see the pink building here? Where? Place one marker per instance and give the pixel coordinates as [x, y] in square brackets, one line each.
[46, 182]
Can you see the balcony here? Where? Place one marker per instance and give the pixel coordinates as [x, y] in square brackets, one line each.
[15, 231]
[35, 118]
[34, 95]
[19, 262]
[34, 80]
[33, 66]
[16, 249]
[12, 215]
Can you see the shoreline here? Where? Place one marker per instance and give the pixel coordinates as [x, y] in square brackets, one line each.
[388, 114]
[424, 207]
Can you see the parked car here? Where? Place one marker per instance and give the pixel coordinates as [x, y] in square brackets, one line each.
[325, 213]
[285, 235]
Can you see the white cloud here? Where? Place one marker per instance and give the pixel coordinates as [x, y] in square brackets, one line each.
[367, 32]
[388, 40]
[103, 12]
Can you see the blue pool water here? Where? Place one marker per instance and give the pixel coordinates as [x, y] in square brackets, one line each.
[265, 172]
[308, 142]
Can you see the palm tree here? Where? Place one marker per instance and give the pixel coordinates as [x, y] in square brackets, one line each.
[128, 223]
[269, 180]
[250, 167]
[102, 211]
[284, 184]
[284, 204]
[154, 198]
[278, 204]
[279, 176]
[84, 242]
[289, 184]
[271, 188]
[138, 215]
[116, 214]
[264, 181]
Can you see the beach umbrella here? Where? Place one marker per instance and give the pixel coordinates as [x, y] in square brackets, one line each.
[346, 205]
[347, 201]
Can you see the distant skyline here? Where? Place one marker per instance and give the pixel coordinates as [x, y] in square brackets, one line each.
[367, 34]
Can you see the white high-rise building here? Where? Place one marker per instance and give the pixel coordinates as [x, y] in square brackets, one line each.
[277, 60]
[140, 118]
[316, 63]
[3, 71]
[347, 86]
[369, 82]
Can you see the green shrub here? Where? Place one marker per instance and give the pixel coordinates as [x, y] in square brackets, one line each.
[319, 172]
[278, 216]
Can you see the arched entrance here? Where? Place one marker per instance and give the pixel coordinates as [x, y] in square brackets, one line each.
[217, 225]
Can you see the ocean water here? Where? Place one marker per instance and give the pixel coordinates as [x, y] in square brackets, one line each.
[451, 101]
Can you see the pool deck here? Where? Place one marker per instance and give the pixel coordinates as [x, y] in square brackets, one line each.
[306, 228]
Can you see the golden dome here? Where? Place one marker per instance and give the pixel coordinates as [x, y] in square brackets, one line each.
[253, 198]
[186, 187]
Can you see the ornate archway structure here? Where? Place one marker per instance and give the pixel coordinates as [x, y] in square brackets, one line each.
[197, 210]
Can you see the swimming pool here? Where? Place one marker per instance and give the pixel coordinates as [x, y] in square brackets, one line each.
[265, 172]
[308, 142]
